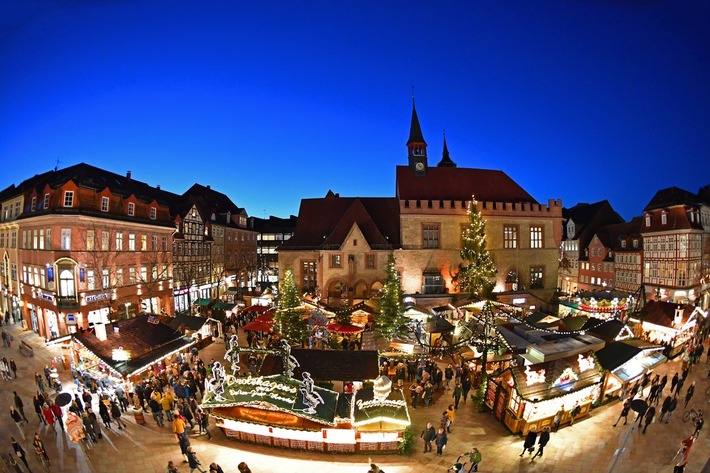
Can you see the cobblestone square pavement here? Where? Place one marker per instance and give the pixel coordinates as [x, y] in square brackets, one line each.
[588, 446]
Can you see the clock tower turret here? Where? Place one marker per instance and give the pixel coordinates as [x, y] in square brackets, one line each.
[416, 146]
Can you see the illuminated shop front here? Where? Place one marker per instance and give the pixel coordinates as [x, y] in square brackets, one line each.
[625, 362]
[668, 324]
[527, 397]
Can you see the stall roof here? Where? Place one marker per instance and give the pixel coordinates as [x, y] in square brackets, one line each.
[146, 341]
[553, 370]
[224, 306]
[190, 322]
[607, 330]
[330, 365]
[663, 313]
[202, 302]
[392, 411]
[437, 324]
[276, 392]
[616, 354]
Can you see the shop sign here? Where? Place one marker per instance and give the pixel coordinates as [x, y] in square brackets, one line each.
[261, 388]
[46, 297]
[119, 354]
[373, 403]
[71, 319]
[105, 296]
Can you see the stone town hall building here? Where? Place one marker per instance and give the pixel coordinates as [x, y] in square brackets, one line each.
[340, 246]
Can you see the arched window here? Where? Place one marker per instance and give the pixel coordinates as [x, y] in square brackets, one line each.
[66, 284]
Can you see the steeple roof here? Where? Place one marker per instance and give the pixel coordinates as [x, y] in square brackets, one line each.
[446, 161]
[415, 130]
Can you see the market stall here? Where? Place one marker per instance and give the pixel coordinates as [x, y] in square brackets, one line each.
[667, 324]
[529, 396]
[202, 329]
[625, 362]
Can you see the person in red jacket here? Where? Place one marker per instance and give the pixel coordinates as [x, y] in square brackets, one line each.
[48, 416]
[57, 411]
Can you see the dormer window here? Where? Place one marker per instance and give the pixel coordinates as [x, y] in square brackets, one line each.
[33, 205]
[623, 243]
[570, 229]
[153, 213]
[664, 218]
[68, 198]
[46, 201]
[131, 209]
[104, 204]
[636, 243]
[648, 220]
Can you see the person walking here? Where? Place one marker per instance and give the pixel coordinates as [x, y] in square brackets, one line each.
[215, 468]
[11, 460]
[203, 421]
[88, 426]
[13, 367]
[557, 419]
[429, 435]
[20, 453]
[458, 391]
[624, 412]
[116, 415]
[104, 414]
[649, 418]
[58, 414]
[39, 448]
[529, 443]
[451, 412]
[37, 401]
[674, 382]
[157, 411]
[193, 462]
[465, 387]
[664, 407]
[541, 442]
[441, 440]
[699, 422]
[179, 426]
[574, 413]
[448, 376]
[48, 416]
[474, 458]
[95, 422]
[671, 408]
[689, 394]
[18, 420]
[40, 382]
[20, 406]
[679, 386]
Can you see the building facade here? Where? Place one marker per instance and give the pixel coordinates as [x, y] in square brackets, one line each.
[271, 234]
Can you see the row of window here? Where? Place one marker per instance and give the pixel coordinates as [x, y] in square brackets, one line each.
[9, 239]
[336, 260]
[91, 279]
[603, 267]
[596, 280]
[41, 239]
[68, 201]
[8, 213]
[510, 237]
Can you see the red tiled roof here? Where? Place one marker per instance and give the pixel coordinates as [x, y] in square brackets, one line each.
[326, 222]
[448, 183]
[676, 218]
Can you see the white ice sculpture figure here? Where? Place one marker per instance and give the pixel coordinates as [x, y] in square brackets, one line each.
[291, 361]
[381, 388]
[233, 354]
[215, 385]
[310, 398]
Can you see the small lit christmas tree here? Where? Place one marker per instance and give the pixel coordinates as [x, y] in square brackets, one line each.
[391, 321]
[288, 321]
[477, 270]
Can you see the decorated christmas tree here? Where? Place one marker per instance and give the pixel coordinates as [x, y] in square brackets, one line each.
[477, 270]
[288, 321]
[391, 321]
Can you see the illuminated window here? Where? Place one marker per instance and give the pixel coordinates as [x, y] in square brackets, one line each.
[131, 275]
[119, 241]
[119, 277]
[131, 209]
[66, 238]
[165, 243]
[430, 235]
[664, 218]
[336, 261]
[90, 280]
[131, 242]
[510, 237]
[536, 277]
[90, 240]
[535, 237]
[104, 240]
[104, 278]
[46, 201]
[144, 242]
[154, 243]
[68, 198]
[308, 275]
[104, 204]
[648, 220]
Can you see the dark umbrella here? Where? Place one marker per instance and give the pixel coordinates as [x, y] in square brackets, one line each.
[63, 399]
[639, 405]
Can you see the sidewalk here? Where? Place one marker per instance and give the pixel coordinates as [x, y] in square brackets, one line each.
[588, 446]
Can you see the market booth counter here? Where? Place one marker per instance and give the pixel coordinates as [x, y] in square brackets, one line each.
[626, 361]
[527, 397]
[668, 324]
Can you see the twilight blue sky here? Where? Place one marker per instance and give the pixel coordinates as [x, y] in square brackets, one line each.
[274, 101]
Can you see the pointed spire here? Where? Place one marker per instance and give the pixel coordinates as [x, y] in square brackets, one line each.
[415, 130]
[446, 161]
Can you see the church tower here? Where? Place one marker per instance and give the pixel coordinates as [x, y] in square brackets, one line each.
[446, 161]
[416, 146]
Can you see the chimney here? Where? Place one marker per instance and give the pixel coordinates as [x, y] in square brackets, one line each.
[158, 187]
[208, 186]
[128, 175]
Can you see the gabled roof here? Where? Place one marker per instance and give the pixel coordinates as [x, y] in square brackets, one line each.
[210, 202]
[663, 313]
[606, 330]
[670, 197]
[449, 183]
[676, 219]
[588, 218]
[325, 223]
[616, 354]
[189, 322]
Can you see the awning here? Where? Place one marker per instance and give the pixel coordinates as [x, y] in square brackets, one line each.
[343, 328]
[257, 326]
[256, 308]
[268, 317]
[224, 306]
[202, 302]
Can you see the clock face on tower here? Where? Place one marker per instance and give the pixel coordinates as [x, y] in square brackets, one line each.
[419, 166]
